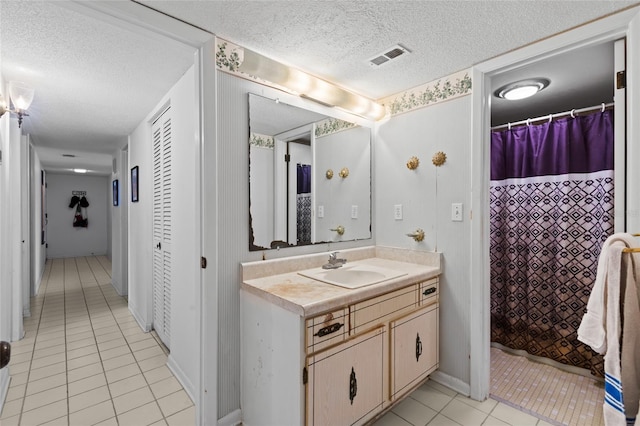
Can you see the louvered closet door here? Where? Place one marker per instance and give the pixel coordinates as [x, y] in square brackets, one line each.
[162, 193]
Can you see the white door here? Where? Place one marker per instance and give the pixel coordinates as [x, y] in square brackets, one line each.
[162, 215]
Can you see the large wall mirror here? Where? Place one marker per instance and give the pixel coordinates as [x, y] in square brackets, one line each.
[309, 177]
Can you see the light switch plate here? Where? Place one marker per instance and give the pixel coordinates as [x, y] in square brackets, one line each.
[320, 211]
[354, 212]
[456, 212]
[397, 212]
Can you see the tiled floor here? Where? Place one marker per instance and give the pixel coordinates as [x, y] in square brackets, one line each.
[84, 359]
[433, 404]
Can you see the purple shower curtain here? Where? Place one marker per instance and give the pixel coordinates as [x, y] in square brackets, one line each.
[551, 200]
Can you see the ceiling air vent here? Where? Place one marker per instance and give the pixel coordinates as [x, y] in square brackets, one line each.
[69, 155]
[390, 54]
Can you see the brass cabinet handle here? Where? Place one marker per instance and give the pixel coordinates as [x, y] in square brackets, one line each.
[328, 329]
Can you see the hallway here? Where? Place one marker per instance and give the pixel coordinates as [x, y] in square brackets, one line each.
[84, 360]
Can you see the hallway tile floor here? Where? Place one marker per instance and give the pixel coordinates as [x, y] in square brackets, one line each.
[84, 359]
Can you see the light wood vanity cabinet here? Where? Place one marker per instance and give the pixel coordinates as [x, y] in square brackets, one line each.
[391, 347]
[344, 366]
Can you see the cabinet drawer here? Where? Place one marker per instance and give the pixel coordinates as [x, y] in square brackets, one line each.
[383, 308]
[414, 349]
[429, 292]
[327, 329]
[346, 382]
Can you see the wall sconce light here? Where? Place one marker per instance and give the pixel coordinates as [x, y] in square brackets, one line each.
[21, 97]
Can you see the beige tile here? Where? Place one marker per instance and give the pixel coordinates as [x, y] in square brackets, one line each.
[19, 379]
[113, 421]
[84, 372]
[61, 421]
[16, 391]
[44, 398]
[45, 414]
[23, 367]
[157, 374]
[114, 352]
[183, 418]
[78, 353]
[512, 416]
[160, 422]
[148, 353]
[485, 406]
[23, 357]
[131, 400]
[463, 413]
[83, 361]
[127, 385]
[92, 415]
[492, 421]
[441, 420]
[431, 397]
[78, 344]
[50, 370]
[49, 360]
[101, 338]
[165, 387]
[390, 419]
[119, 361]
[440, 388]
[11, 408]
[174, 402]
[79, 336]
[48, 351]
[57, 336]
[122, 373]
[107, 329]
[413, 412]
[46, 383]
[112, 344]
[143, 344]
[145, 415]
[89, 398]
[151, 363]
[22, 349]
[139, 337]
[11, 421]
[87, 384]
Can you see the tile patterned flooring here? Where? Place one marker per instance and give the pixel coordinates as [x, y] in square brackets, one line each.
[85, 361]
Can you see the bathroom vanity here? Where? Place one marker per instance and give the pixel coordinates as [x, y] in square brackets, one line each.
[317, 353]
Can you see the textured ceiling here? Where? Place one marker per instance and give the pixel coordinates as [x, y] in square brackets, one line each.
[96, 79]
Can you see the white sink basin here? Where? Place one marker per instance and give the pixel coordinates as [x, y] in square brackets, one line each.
[352, 275]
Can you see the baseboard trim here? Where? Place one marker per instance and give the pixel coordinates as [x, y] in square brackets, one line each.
[4, 386]
[234, 418]
[141, 322]
[182, 378]
[451, 382]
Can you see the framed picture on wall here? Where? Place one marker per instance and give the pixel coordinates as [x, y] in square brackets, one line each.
[116, 196]
[134, 184]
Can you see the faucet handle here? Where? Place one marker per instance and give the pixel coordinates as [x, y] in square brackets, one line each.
[333, 256]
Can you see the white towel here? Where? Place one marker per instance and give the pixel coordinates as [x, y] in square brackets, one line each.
[592, 330]
[630, 358]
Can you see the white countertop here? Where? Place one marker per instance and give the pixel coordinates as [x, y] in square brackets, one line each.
[308, 297]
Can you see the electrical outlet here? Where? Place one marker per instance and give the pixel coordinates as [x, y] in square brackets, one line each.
[354, 212]
[397, 212]
[320, 212]
[456, 212]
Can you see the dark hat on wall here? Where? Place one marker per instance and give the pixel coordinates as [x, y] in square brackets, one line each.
[74, 201]
[84, 202]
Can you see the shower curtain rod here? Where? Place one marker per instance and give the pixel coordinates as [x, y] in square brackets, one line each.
[550, 117]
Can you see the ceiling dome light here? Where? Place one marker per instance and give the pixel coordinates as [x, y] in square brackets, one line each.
[522, 89]
[80, 170]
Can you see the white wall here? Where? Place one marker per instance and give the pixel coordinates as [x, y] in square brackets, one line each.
[38, 250]
[65, 240]
[119, 228]
[185, 340]
[5, 283]
[426, 195]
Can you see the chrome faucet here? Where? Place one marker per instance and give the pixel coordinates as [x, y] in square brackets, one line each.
[334, 262]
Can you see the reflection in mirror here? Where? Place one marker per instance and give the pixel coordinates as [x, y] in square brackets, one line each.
[292, 200]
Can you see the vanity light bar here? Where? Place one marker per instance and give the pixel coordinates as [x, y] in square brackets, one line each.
[309, 86]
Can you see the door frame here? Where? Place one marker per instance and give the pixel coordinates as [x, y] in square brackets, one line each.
[623, 24]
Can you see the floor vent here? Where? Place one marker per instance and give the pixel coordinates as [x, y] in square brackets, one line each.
[390, 54]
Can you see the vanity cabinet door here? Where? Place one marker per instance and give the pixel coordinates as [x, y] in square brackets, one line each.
[346, 382]
[414, 349]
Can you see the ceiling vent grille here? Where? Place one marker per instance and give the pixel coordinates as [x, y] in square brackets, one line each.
[390, 54]
[68, 155]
